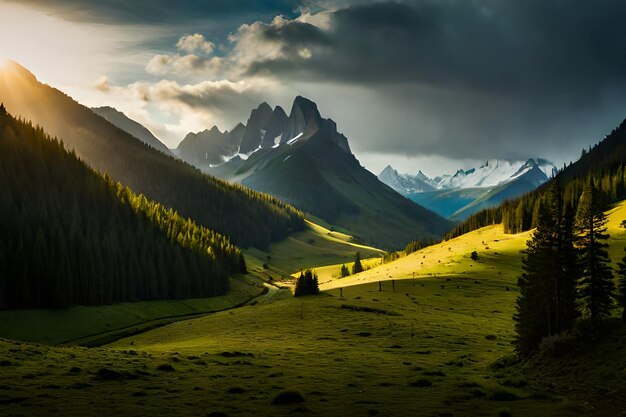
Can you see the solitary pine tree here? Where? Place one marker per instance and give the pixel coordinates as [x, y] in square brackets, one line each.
[595, 287]
[344, 272]
[307, 284]
[357, 267]
[621, 293]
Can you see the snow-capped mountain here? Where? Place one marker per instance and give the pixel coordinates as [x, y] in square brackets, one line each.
[459, 195]
[492, 173]
[406, 184]
[266, 129]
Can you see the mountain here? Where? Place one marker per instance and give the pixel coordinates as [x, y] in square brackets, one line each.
[248, 217]
[69, 235]
[130, 126]
[302, 159]
[492, 173]
[406, 184]
[459, 195]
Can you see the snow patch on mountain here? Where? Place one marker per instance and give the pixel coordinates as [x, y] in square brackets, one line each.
[492, 173]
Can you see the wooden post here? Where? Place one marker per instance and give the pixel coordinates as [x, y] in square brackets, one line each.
[380, 286]
[341, 293]
[393, 284]
[413, 279]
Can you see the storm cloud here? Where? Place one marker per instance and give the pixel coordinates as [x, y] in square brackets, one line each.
[459, 79]
[481, 76]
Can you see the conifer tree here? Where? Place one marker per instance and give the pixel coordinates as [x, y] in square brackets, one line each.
[621, 294]
[307, 284]
[595, 287]
[533, 316]
[357, 267]
[344, 272]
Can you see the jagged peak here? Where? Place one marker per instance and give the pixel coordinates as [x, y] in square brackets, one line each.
[388, 170]
[279, 110]
[264, 106]
[305, 105]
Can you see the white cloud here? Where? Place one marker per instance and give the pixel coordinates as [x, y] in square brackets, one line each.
[186, 64]
[195, 43]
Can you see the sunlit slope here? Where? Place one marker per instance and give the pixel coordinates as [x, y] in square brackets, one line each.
[314, 246]
[499, 256]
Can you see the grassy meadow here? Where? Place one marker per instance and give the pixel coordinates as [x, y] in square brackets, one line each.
[436, 345]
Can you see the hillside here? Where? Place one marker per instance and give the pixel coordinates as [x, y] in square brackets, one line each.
[309, 164]
[131, 127]
[248, 217]
[70, 236]
[499, 255]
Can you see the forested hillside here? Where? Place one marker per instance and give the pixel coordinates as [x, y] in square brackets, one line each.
[604, 165]
[250, 218]
[71, 236]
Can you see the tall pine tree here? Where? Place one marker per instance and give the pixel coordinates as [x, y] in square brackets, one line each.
[621, 294]
[534, 312]
[595, 287]
[547, 301]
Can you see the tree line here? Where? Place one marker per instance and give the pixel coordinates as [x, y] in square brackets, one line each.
[566, 274]
[69, 235]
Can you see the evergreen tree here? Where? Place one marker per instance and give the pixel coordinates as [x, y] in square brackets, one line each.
[357, 267]
[566, 308]
[307, 284]
[621, 295]
[595, 287]
[344, 272]
[533, 316]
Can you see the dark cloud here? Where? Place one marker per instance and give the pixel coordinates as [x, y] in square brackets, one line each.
[502, 76]
[160, 11]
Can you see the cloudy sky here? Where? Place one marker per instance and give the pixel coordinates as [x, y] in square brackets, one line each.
[434, 85]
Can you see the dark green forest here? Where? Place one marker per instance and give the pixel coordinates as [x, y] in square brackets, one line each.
[248, 217]
[604, 165]
[69, 235]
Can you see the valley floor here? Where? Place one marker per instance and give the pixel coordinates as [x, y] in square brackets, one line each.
[425, 349]
[431, 346]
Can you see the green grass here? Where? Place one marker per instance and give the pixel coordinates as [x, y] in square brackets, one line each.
[369, 352]
[80, 324]
[313, 247]
[428, 349]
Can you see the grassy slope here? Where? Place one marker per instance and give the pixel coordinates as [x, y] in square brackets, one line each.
[499, 256]
[54, 327]
[314, 246]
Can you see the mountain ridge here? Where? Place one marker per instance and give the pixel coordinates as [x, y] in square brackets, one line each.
[250, 218]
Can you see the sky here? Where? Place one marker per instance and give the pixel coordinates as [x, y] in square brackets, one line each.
[431, 85]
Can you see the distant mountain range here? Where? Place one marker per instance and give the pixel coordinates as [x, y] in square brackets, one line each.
[302, 159]
[457, 196]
